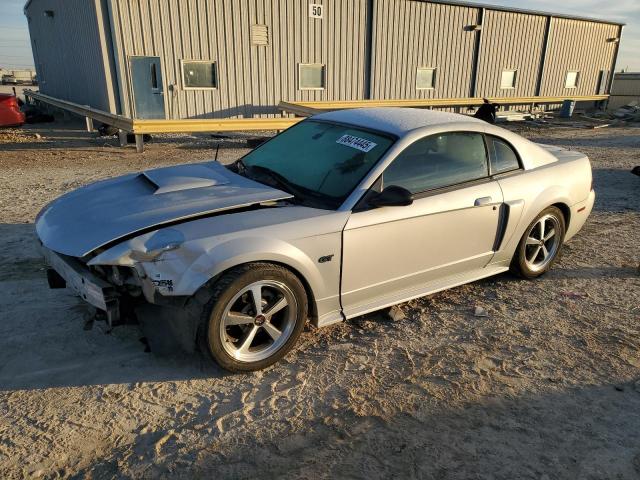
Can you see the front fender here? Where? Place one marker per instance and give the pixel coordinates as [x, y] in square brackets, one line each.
[231, 253]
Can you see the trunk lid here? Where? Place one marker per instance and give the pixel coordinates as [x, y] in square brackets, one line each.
[90, 217]
[561, 154]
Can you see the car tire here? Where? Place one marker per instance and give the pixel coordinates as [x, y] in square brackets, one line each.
[540, 245]
[241, 337]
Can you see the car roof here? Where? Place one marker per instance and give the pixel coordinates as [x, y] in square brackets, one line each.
[395, 120]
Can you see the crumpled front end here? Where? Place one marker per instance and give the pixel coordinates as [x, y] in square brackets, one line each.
[65, 271]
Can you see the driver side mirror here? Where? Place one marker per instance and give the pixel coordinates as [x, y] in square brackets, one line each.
[392, 196]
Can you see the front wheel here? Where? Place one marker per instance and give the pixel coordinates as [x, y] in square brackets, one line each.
[540, 245]
[254, 317]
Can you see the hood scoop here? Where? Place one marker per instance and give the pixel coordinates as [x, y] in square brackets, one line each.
[184, 177]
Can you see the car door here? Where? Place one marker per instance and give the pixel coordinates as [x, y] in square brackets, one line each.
[391, 254]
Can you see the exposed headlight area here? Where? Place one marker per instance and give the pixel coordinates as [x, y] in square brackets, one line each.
[159, 243]
[125, 279]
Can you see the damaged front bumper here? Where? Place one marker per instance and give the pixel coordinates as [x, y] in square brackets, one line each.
[77, 276]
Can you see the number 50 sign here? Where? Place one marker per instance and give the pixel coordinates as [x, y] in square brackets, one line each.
[315, 10]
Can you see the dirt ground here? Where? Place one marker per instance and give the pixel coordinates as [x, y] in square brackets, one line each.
[547, 386]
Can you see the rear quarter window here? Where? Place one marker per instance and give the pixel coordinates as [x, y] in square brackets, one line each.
[502, 156]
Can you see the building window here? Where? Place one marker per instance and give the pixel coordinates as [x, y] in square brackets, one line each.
[199, 74]
[311, 76]
[259, 35]
[508, 79]
[426, 78]
[572, 80]
[154, 76]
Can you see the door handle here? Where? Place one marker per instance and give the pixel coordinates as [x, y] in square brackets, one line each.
[482, 201]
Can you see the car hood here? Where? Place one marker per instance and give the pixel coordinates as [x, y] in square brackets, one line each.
[98, 214]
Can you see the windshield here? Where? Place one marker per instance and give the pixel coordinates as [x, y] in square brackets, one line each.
[317, 160]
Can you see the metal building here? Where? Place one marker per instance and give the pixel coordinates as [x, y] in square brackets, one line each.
[625, 90]
[238, 58]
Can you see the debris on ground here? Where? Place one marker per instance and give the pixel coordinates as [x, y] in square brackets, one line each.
[480, 312]
[574, 295]
[396, 314]
[628, 112]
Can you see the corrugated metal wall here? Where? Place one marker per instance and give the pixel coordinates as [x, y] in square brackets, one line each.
[581, 46]
[411, 34]
[369, 47]
[625, 90]
[252, 79]
[510, 41]
[68, 51]
[626, 84]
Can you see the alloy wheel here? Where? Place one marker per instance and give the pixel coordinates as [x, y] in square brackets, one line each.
[258, 321]
[542, 243]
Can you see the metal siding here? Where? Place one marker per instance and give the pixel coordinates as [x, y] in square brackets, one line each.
[408, 35]
[626, 86]
[405, 35]
[577, 45]
[72, 62]
[510, 41]
[252, 79]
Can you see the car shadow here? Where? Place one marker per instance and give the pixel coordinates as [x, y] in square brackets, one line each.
[48, 340]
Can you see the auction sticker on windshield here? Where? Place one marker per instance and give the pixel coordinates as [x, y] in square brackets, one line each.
[358, 143]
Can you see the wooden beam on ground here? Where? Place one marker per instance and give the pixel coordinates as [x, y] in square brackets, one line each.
[431, 102]
[190, 125]
[297, 109]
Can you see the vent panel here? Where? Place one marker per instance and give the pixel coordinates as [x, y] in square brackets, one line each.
[259, 35]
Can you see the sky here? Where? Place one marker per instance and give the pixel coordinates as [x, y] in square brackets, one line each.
[15, 49]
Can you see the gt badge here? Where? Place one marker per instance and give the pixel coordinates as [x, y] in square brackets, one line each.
[325, 259]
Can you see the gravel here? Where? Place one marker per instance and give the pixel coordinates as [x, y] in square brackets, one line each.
[543, 384]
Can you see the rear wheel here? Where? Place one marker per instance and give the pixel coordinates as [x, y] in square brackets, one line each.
[540, 245]
[254, 317]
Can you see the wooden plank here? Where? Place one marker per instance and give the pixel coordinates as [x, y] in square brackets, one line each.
[439, 102]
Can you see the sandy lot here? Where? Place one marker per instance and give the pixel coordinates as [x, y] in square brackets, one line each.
[547, 386]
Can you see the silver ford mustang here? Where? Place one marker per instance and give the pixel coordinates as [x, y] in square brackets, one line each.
[345, 213]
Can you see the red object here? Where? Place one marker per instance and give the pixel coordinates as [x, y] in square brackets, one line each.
[10, 114]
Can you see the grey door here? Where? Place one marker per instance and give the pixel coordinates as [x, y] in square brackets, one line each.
[449, 231]
[148, 91]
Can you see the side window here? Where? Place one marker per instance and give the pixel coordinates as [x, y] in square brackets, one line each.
[503, 158]
[439, 161]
